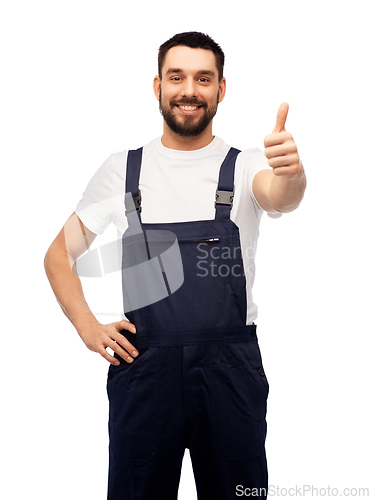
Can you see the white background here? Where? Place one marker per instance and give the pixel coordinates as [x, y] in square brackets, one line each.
[76, 86]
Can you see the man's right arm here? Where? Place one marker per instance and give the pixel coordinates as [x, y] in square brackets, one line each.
[72, 241]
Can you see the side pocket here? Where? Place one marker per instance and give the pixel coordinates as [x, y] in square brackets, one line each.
[238, 401]
[247, 355]
[133, 409]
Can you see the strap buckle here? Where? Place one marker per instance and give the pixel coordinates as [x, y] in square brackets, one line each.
[133, 203]
[225, 197]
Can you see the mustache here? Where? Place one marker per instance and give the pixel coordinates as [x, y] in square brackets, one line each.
[188, 102]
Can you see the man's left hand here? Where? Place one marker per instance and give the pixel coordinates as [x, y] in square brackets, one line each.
[281, 149]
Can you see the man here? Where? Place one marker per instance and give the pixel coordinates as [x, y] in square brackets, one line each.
[186, 370]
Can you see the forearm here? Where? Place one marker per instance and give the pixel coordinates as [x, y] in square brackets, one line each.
[68, 289]
[286, 192]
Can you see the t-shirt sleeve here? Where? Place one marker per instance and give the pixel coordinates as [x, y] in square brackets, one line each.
[96, 208]
[258, 162]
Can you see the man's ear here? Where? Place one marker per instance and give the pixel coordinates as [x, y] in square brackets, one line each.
[222, 89]
[157, 86]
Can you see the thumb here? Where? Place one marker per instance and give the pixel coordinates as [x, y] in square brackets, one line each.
[124, 325]
[281, 117]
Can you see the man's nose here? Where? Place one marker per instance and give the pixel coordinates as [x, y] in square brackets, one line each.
[189, 88]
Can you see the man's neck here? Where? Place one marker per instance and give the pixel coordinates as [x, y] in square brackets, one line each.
[174, 141]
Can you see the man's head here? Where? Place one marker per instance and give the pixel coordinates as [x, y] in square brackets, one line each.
[190, 83]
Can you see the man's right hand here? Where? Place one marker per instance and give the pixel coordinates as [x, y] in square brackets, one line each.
[98, 337]
[71, 242]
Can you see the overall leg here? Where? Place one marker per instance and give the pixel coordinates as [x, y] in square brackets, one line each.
[227, 443]
[146, 426]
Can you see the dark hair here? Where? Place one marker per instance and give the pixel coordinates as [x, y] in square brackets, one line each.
[194, 40]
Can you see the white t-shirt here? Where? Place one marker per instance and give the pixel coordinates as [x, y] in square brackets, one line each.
[179, 186]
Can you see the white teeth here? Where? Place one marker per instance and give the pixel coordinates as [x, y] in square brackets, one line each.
[189, 108]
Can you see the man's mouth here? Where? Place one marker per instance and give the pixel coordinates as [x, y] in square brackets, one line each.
[188, 109]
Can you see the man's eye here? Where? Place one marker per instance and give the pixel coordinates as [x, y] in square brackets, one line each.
[176, 78]
[203, 80]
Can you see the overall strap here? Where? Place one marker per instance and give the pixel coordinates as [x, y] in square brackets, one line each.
[133, 195]
[224, 192]
[225, 188]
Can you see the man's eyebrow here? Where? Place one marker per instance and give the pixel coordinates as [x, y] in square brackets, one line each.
[173, 70]
[200, 72]
[206, 72]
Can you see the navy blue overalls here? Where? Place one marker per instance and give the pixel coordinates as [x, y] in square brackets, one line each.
[198, 382]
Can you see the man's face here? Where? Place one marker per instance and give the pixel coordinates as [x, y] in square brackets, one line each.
[189, 90]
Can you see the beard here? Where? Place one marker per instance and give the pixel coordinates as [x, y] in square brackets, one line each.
[187, 126]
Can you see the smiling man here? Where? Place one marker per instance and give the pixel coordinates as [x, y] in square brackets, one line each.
[187, 370]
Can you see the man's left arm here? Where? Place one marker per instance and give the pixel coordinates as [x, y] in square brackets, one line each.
[282, 188]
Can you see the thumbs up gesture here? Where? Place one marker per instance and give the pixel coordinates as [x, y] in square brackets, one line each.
[281, 150]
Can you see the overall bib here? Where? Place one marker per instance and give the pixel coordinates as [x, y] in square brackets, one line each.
[198, 382]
